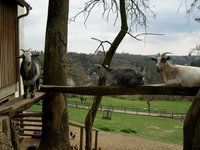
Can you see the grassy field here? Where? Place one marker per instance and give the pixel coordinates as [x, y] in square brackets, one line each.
[159, 129]
[173, 106]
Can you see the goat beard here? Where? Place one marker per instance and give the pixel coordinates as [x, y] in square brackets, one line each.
[159, 70]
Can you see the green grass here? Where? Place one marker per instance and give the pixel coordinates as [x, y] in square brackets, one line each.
[174, 106]
[159, 129]
[36, 107]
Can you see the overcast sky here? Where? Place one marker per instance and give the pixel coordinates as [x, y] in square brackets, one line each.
[180, 32]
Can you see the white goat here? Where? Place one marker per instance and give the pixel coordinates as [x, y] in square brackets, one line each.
[122, 77]
[177, 75]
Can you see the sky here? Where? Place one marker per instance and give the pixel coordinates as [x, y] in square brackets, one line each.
[181, 33]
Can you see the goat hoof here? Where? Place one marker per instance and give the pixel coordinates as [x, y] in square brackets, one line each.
[32, 95]
[25, 96]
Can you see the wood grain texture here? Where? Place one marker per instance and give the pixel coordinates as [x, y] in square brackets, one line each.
[113, 90]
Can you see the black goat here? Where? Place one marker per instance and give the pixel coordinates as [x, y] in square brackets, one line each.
[122, 77]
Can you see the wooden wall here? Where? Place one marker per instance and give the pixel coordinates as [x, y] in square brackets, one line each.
[8, 43]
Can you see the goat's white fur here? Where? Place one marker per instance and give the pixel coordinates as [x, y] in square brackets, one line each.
[186, 76]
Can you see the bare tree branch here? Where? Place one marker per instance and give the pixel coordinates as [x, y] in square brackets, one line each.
[195, 50]
[192, 9]
[136, 10]
[136, 36]
[100, 45]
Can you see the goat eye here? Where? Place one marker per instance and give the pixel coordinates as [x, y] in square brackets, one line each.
[163, 60]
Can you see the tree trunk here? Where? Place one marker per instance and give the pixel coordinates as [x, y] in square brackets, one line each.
[55, 131]
[109, 55]
[191, 128]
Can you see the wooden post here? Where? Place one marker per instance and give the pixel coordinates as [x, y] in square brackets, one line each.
[96, 140]
[192, 126]
[14, 136]
[81, 138]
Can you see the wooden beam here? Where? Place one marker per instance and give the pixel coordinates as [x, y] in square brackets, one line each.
[28, 120]
[115, 90]
[29, 124]
[28, 114]
[33, 135]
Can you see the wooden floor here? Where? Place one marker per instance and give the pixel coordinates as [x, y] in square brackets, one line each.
[16, 105]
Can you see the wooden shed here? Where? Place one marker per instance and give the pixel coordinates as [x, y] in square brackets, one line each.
[9, 45]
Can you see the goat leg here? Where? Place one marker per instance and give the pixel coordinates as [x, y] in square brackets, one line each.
[38, 84]
[32, 91]
[25, 91]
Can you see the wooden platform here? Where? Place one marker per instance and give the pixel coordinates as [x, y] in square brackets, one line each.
[117, 90]
[19, 104]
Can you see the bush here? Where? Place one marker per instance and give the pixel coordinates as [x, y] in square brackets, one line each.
[106, 129]
[128, 130]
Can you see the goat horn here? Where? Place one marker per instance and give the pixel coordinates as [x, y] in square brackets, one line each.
[23, 50]
[163, 54]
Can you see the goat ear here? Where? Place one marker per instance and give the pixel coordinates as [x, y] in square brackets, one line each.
[154, 59]
[19, 56]
[22, 50]
[167, 58]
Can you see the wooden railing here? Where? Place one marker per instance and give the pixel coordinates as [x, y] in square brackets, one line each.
[26, 120]
[191, 125]
[114, 90]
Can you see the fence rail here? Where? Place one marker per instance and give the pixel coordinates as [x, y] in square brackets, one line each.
[130, 110]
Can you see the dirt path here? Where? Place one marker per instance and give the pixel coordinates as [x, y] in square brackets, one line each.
[117, 141]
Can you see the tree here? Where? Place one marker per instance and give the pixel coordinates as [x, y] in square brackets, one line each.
[191, 127]
[132, 12]
[55, 131]
[193, 9]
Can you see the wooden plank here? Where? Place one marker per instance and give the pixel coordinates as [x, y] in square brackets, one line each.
[110, 90]
[5, 126]
[6, 110]
[29, 124]
[33, 135]
[36, 130]
[20, 104]
[28, 120]
[29, 114]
